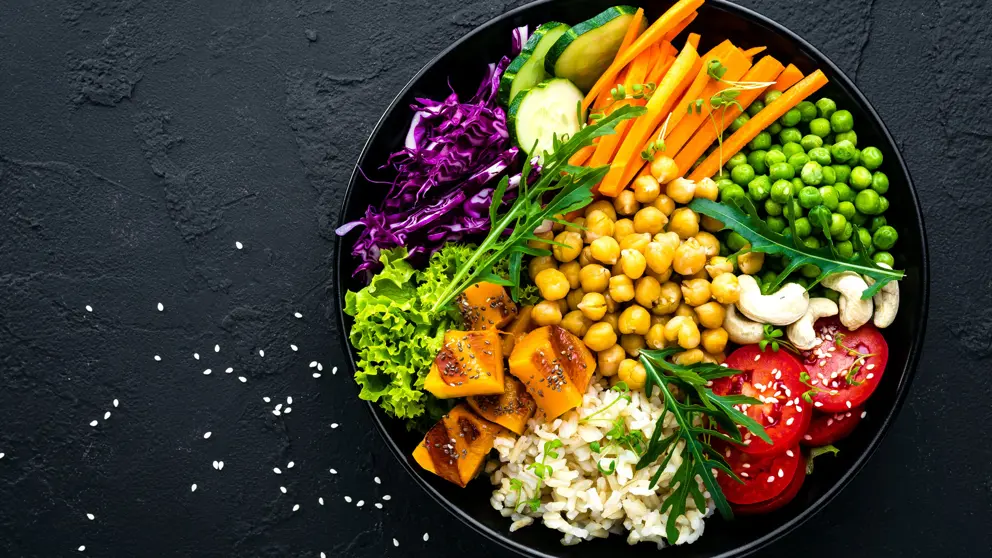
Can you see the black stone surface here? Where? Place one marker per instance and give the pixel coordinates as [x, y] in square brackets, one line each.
[139, 141]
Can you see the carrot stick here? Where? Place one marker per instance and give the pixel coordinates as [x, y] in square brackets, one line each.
[606, 97]
[752, 52]
[721, 52]
[607, 145]
[681, 27]
[704, 134]
[772, 112]
[633, 30]
[582, 155]
[629, 155]
[661, 68]
[693, 39]
[656, 32]
[789, 77]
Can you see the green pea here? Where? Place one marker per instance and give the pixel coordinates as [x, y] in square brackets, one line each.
[737, 159]
[877, 223]
[781, 171]
[847, 232]
[776, 147]
[860, 178]
[810, 271]
[842, 151]
[792, 148]
[807, 111]
[818, 215]
[761, 141]
[811, 242]
[801, 281]
[756, 107]
[782, 191]
[723, 182]
[850, 136]
[841, 121]
[790, 135]
[739, 122]
[771, 96]
[759, 188]
[803, 227]
[757, 161]
[791, 118]
[885, 237]
[884, 258]
[820, 155]
[829, 196]
[776, 224]
[844, 192]
[768, 277]
[809, 196]
[855, 159]
[859, 218]
[820, 127]
[774, 156]
[837, 222]
[810, 141]
[844, 249]
[846, 209]
[883, 204]
[812, 174]
[843, 173]
[797, 184]
[832, 294]
[867, 202]
[733, 192]
[880, 182]
[774, 128]
[826, 107]
[795, 212]
[735, 242]
[871, 249]
[829, 175]
[798, 160]
[864, 236]
[742, 174]
[772, 207]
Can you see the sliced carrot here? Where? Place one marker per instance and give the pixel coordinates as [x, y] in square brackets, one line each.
[660, 68]
[633, 30]
[703, 136]
[789, 77]
[608, 144]
[629, 155]
[693, 39]
[772, 112]
[582, 155]
[752, 52]
[681, 27]
[606, 97]
[721, 52]
[657, 31]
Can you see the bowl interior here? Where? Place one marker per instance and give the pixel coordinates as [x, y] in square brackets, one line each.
[462, 65]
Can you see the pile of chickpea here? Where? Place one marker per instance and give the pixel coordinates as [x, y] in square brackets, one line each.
[640, 271]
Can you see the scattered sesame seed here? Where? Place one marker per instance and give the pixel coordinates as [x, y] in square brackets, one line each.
[817, 404]
[261, 352]
[781, 473]
[320, 500]
[757, 357]
[377, 480]
[277, 470]
[207, 372]
[81, 548]
[215, 464]
[378, 505]
[771, 478]
[228, 370]
[238, 245]
[747, 465]
[869, 376]
[267, 399]
[193, 488]
[316, 374]
[93, 423]
[207, 435]
[298, 315]
[196, 356]
[275, 412]
[426, 537]
[158, 358]
[790, 454]
[334, 471]
[320, 366]
[289, 400]
[334, 425]
[242, 379]
[216, 348]
[282, 489]
[789, 422]
[160, 307]
[864, 414]
[90, 516]
[89, 308]
[2, 454]
[116, 403]
[106, 415]
[294, 347]
[807, 437]
[360, 503]
[278, 406]
[296, 507]
[313, 364]
[288, 410]
[387, 498]
[396, 543]
[870, 367]
[347, 499]
[290, 465]
[848, 403]
[334, 370]
[322, 555]
[220, 465]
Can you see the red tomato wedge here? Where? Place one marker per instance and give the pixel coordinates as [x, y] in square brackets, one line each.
[764, 476]
[847, 365]
[772, 504]
[827, 428]
[771, 377]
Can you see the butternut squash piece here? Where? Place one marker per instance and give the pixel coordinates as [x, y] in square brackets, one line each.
[555, 367]
[486, 306]
[519, 327]
[469, 363]
[456, 447]
[510, 410]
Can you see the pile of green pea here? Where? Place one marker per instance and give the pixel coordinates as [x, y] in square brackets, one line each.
[811, 156]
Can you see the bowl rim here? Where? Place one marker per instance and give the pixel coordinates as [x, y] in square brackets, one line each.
[902, 389]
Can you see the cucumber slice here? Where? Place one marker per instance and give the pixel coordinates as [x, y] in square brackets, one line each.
[539, 113]
[527, 69]
[584, 52]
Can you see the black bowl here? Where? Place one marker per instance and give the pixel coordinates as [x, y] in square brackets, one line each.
[463, 64]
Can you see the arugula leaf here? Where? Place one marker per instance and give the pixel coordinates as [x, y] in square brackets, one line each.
[744, 220]
[817, 452]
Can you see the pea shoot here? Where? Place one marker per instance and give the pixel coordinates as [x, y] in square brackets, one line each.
[541, 471]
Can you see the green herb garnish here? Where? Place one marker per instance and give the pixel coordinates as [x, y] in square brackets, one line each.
[817, 452]
[772, 337]
[541, 471]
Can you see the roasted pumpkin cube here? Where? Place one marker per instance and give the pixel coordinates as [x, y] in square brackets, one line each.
[456, 447]
[486, 306]
[520, 326]
[511, 409]
[555, 366]
[469, 363]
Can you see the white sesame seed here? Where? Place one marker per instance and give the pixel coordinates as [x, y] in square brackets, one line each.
[2, 454]
[216, 348]
[334, 471]
[282, 489]
[817, 404]
[757, 357]
[220, 465]
[267, 399]
[287, 410]
[82, 548]
[790, 454]
[360, 503]
[228, 370]
[289, 400]
[320, 366]
[242, 379]
[157, 358]
[387, 498]
[864, 414]
[807, 437]
[116, 403]
[238, 245]
[106, 415]
[347, 499]
[745, 475]
[320, 500]
[334, 425]
[196, 356]
[93, 423]
[781, 473]
[294, 347]
[276, 413]
[160, 307]
[192, 488]
[313, 364]
[869, 376]
[377, 480]
[378, 505]
[789, 423]
[298, 315]
[396, 543]
[89, 308]
[277, 470]
[747, 465]
[291, 464]
[207, 372]
[870, 367]
[90, 516]
[771, 420]
[207, 435]
[426, 537]
[848, 403]
[322, 555]
[278, 406]
[798, 408]
[334, 370]
[771, 478]
[296, 507]
[215, 464]
[261, 352]
[316, 374]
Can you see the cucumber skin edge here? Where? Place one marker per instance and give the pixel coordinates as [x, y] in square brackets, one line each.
[580, 29]
[526, 52]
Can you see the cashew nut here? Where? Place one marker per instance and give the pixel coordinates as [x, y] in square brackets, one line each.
[780, 308]
[740, 329]
[854, 312]
[886, 301]
[801, 333]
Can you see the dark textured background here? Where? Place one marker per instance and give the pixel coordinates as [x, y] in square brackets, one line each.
[140, 140]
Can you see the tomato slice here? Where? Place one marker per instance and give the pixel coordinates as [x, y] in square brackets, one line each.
[846, 366]
[764, 476]
[827, 428]
[772, 377]
[778, 501]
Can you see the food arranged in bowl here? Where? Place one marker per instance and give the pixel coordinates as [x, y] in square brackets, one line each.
[630, 281]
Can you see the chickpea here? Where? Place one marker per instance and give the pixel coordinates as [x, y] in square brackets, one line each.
[574, 297]
[668, 238]
[617, 268]
[594, 278]
[656, 336]
[632, 373]
[647, 291]
[571, 246]
[681, 190]
[684, 222]
[593, 306]
[621, 288]
[726, 289]
[646, 188]
[671, 296]
[683, 330]
[562, 306]
[687, 311]
[661, 277]
[601, 205]
[709, 242]
[692, 356]
[665, 204]
[611, 305]
[585, 257]
[632, 344]
[571, 272]
[714, 358]
[710, 224]
[539, 245]
[715, 340]
[707, 189]
[664, 169]
[701, 274]
[546, 313]
[622, 228]
[711, 314]
[751, 262]
[605, 249]
[659, 319]
[719, 265]
[609, 360]
[632, 263]
[552, 283]
[690, 257]
[696, 291]
[540, 263]
[658, 256]
[634, 319]
[625, 203]
[598, 224]
[577, 225]
[649, 220]
[576, 323]
[636, 241]
[611, 319]
[600, 336]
